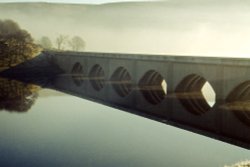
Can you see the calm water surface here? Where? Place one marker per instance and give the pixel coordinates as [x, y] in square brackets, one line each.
[63, 130]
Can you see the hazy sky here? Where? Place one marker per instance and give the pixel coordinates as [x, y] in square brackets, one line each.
[174, 27]
[74, 1]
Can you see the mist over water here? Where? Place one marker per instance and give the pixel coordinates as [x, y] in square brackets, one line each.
[171, 27]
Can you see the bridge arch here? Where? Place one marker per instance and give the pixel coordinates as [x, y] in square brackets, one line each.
[77, 74]
[153, 87]
[238, 101]
[196, 94]
[96, 77]
[121, 81]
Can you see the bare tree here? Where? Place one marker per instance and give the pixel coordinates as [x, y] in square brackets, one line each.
[77, 43]
[45, 42]
[61, 41]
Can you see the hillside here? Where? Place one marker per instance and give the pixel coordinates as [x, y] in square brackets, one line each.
[207, 28]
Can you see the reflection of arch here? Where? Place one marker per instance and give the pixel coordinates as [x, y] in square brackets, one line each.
[121, 81]
[77, 74]
[191, 94]
[153, 87]
[96, 76]
[238, 101]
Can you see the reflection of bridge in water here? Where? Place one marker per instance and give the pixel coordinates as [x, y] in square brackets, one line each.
[209, 96]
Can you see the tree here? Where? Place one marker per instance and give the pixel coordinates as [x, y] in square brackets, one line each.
[77, 43]
[16, 44]
[45, 42]
[61, 41]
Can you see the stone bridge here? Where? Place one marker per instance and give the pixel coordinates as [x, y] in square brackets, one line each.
[208, 96]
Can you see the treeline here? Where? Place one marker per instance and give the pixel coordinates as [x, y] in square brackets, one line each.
[62, 42]
[17, 45]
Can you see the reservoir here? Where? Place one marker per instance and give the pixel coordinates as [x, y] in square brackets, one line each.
[59, 129]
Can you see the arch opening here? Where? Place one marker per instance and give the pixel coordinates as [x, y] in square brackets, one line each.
[96, 77]
[153, 87]
[208, 94]
[238, 101]
[77, 74]
[121, 82]
[196, 94]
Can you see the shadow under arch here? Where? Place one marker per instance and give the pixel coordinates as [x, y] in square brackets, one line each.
[195, 94]
[153, 87]
[121, 82]
[96, 77]
[77, 74]
[238, 101]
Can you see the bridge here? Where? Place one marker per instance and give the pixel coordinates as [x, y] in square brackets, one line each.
[208, 96]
